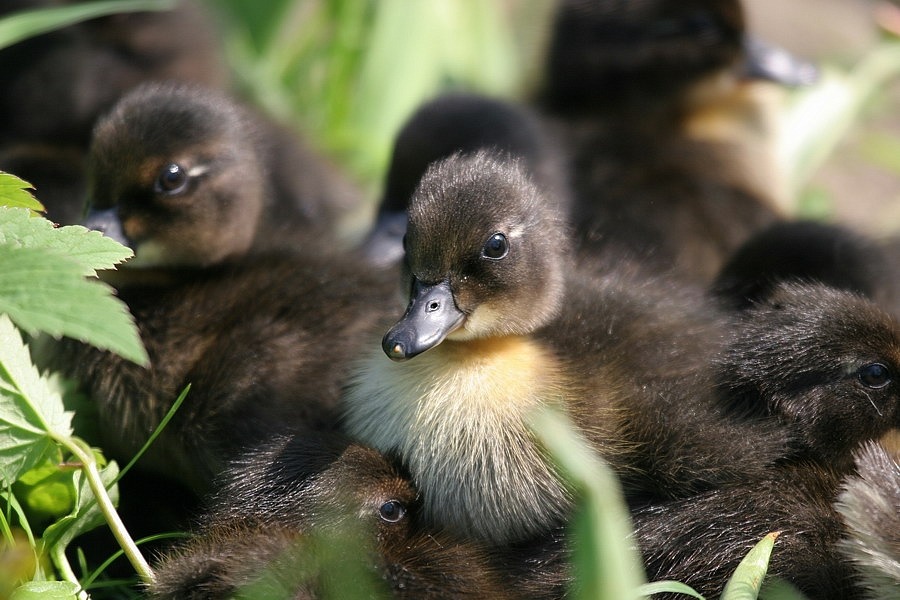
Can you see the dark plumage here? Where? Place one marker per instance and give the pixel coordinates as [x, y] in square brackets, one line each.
[288, 506]
[701, 539]
[505, 323]
[458, 123]
[667, 141]
[186, 177]
[178, 174]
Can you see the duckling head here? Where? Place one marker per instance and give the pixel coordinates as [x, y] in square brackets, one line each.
[174, 173]
[619, 52]
[485, 256]
[824, 362]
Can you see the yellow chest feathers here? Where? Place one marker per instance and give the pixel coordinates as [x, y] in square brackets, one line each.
[458, 415]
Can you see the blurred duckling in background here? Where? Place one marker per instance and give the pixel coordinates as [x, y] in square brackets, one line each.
[505, 324]
[632, 87]
[458, 123]
[57, 85]
[233, 289]
[285, 504]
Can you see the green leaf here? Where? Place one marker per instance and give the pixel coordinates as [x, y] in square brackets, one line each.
[25, 24]
[670, 587]
[86, 514]
[90, 250]
[747, 579]
[47, 491]
[606, 565]
[40, 292]
[15, 192]
[30, 413]
[46, 590]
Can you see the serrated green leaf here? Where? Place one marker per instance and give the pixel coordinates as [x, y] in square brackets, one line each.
[86, 514]
[30, 413]
[46, 590]
[90, 250]
[17, 192]
[42, 293]
[747, 579]
[25, 24]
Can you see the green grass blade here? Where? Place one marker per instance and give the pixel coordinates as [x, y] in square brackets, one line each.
[25, 24]
[747, 579]
[669, 587]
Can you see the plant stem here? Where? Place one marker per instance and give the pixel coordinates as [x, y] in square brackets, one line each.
[105, 505]
[65, 569]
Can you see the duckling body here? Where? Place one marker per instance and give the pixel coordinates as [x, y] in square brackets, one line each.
[287, 500]
[499, 324]
[639, 93]
[223, 294]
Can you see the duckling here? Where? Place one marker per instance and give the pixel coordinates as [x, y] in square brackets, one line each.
[285, 502]
[505, 324]
[185, 177]
[630, 88]
[821, 361]
[457, 123]
[256, 329]
[870, 506]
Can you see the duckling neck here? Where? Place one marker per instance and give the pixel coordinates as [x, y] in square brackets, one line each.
[458, 415]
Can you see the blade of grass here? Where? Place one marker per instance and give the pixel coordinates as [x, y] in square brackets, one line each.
[747, 579]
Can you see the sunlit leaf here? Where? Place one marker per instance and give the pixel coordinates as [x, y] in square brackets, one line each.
[46, 590]
[86, 514]
[17, 192]
[747, 579]
[30, 413]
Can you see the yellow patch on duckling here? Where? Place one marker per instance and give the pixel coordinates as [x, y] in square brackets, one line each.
[457, 414]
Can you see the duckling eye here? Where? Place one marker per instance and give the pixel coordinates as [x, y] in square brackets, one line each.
[496, 247]
[874, 375]
[173, 179]
[392, 511]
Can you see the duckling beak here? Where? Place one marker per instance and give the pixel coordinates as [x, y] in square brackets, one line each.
[108, 223]
[430, 317]
[769, 62]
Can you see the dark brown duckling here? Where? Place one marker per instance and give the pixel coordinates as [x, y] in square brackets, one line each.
[285, 504]
[500, 323]
[175, 172]
[458, 123]
[870, 506]
[629, 85]
[823, 362]
[184, 177]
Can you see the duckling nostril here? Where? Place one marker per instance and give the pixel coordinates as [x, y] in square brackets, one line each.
[432, 306]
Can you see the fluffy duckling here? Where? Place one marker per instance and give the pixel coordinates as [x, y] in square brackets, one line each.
[870, 506]
[505, 324]
[457, 123]
[823, 362]
[625, 84]
[185, 177]
[176, 173]
[286, 503]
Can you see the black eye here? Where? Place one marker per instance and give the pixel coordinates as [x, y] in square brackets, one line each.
[874, 375]
[496, 247]
[392, 511]
[173, 179]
